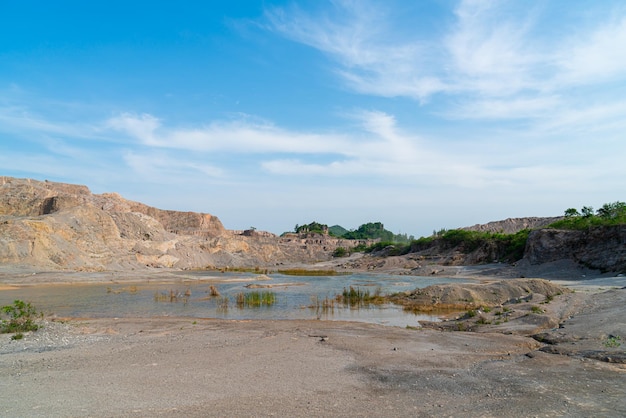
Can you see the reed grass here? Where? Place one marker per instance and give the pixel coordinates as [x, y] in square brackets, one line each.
[354, 297]
[322, 306]
[222, 303]
[172, 296]
[213, 291]
[255, 299]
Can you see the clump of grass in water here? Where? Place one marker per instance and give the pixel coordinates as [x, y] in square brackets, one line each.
[355, 297]
[172, 296]
[213, 291]
[255, 299]
[322, 306]
[222, 303]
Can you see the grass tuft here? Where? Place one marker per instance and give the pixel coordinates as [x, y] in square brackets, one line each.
[255, 299]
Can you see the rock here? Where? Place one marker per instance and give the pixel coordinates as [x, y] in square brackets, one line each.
[601, 248]
[48, 225]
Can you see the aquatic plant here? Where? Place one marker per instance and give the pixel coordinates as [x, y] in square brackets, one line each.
[355, 297]
[255, 299]
[213, 291]
[222, 303]
[322, 306]
[172, 296]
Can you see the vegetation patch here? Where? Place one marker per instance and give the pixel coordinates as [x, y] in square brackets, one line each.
[613, 341]
[536, 310]
[254, 270]
[609, 214]
[355, 297]
[19, 317]
[322, 306]
[255, 299]
[305, 272]
[172, 296]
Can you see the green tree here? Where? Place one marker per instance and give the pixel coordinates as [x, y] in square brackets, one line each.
[571, 213]
[587, 211]
[612, 210]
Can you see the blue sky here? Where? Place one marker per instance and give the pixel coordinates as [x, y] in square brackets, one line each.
[421, 115]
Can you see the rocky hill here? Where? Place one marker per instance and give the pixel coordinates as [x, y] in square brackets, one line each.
[51, 226]
[513, 225]
[48, 225]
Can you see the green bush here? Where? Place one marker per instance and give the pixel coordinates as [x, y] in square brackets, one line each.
[609, 214]
[20, 318]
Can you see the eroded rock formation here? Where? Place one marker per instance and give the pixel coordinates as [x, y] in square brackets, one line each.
[54, 225]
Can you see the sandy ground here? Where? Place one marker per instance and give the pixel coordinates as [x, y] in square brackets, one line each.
[190, 367]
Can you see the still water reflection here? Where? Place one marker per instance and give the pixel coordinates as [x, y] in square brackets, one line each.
[295, 298]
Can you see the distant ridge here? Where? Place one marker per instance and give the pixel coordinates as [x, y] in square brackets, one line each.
[513, 225]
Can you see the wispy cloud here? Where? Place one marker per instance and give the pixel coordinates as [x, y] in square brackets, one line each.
[597, 55]
[357, 36]
[378, 148]
[159, 167]
[488, 49]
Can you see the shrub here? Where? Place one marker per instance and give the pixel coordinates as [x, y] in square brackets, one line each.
[613, 341]
[21, 318]
[609, 214]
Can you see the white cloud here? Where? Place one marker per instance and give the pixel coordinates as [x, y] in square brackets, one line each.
[491, 49]
[515, 108]
[596, 56]
[358, 37]
[241, 136]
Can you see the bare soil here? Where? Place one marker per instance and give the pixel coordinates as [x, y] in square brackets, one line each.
[567, 360]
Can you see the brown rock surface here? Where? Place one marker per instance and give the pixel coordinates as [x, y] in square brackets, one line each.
[602, 248]
[48, 225]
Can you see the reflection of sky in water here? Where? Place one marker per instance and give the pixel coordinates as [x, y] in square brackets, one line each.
[294, 297]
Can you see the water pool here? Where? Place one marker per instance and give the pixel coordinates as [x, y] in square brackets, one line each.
[296, 297]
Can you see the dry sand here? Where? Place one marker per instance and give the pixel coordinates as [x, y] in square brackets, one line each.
[148, 367]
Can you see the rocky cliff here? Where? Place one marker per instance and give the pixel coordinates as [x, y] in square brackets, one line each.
[602, 248]
[50, 225]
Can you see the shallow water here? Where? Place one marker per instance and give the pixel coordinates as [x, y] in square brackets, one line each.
[295, 298]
